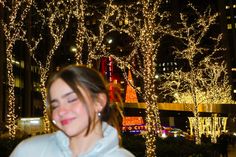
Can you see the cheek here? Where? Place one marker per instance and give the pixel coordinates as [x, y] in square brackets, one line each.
[55, 116]
[82, 112]
[79, 110]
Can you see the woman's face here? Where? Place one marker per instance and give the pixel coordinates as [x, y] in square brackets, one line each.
[68, 111]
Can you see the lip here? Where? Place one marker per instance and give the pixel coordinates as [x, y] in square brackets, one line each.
[67, 121]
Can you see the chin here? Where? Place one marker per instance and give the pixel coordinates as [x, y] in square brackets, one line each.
[73, 133]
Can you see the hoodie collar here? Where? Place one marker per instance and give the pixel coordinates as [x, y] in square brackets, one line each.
[108, 142]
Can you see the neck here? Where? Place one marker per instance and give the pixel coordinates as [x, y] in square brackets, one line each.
[81, 144]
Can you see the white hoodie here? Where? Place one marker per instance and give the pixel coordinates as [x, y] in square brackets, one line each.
[57, 145]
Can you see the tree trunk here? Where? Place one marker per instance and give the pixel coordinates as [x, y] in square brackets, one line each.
[2, 57]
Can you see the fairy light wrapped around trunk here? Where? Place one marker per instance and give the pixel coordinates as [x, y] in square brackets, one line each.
[13, 30]
[205, 81]
[209, 126]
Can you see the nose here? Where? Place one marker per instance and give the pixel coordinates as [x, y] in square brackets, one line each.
[62, 110]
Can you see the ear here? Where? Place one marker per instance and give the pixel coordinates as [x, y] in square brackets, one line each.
[100, 102]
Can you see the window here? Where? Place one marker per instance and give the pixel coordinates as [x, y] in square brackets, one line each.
[229, 26]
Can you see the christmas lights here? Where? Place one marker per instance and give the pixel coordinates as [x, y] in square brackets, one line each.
[13, 30]
[57, 30]
[205, 81]
[141, 21]
[210, 126]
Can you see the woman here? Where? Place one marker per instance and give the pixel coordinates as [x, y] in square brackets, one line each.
[79, 107]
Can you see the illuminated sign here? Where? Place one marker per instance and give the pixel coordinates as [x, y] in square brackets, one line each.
[132, 121]
[133, 124]
[134, 128]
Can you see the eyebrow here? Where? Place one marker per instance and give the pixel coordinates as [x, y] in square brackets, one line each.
[63, 96]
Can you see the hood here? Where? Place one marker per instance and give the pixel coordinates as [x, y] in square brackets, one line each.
[108, 143]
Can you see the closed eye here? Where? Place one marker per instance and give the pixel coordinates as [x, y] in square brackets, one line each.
[72, 100]
[54, 105]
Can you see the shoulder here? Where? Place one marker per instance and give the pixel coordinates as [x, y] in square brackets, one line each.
[119, 152]
[38, 140]
[32, 145]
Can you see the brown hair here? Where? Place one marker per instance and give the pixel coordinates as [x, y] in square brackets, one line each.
[90, 80]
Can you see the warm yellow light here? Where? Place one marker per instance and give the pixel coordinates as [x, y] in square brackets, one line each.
[206, 82]
[13, 30]
[73, 49]
[210, 126]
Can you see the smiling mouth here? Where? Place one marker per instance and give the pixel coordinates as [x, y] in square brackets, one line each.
[67, 121]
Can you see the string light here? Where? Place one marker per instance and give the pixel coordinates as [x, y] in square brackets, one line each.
[206, 82]
[57, 30]
[140, 24]
[13, 30]
[210, 126]
[143, 41]
[141, 30]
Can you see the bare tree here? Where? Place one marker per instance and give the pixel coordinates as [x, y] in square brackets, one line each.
[205, 80]
[55, 17]
[142, 22]
[94, 39]
[13, 29]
